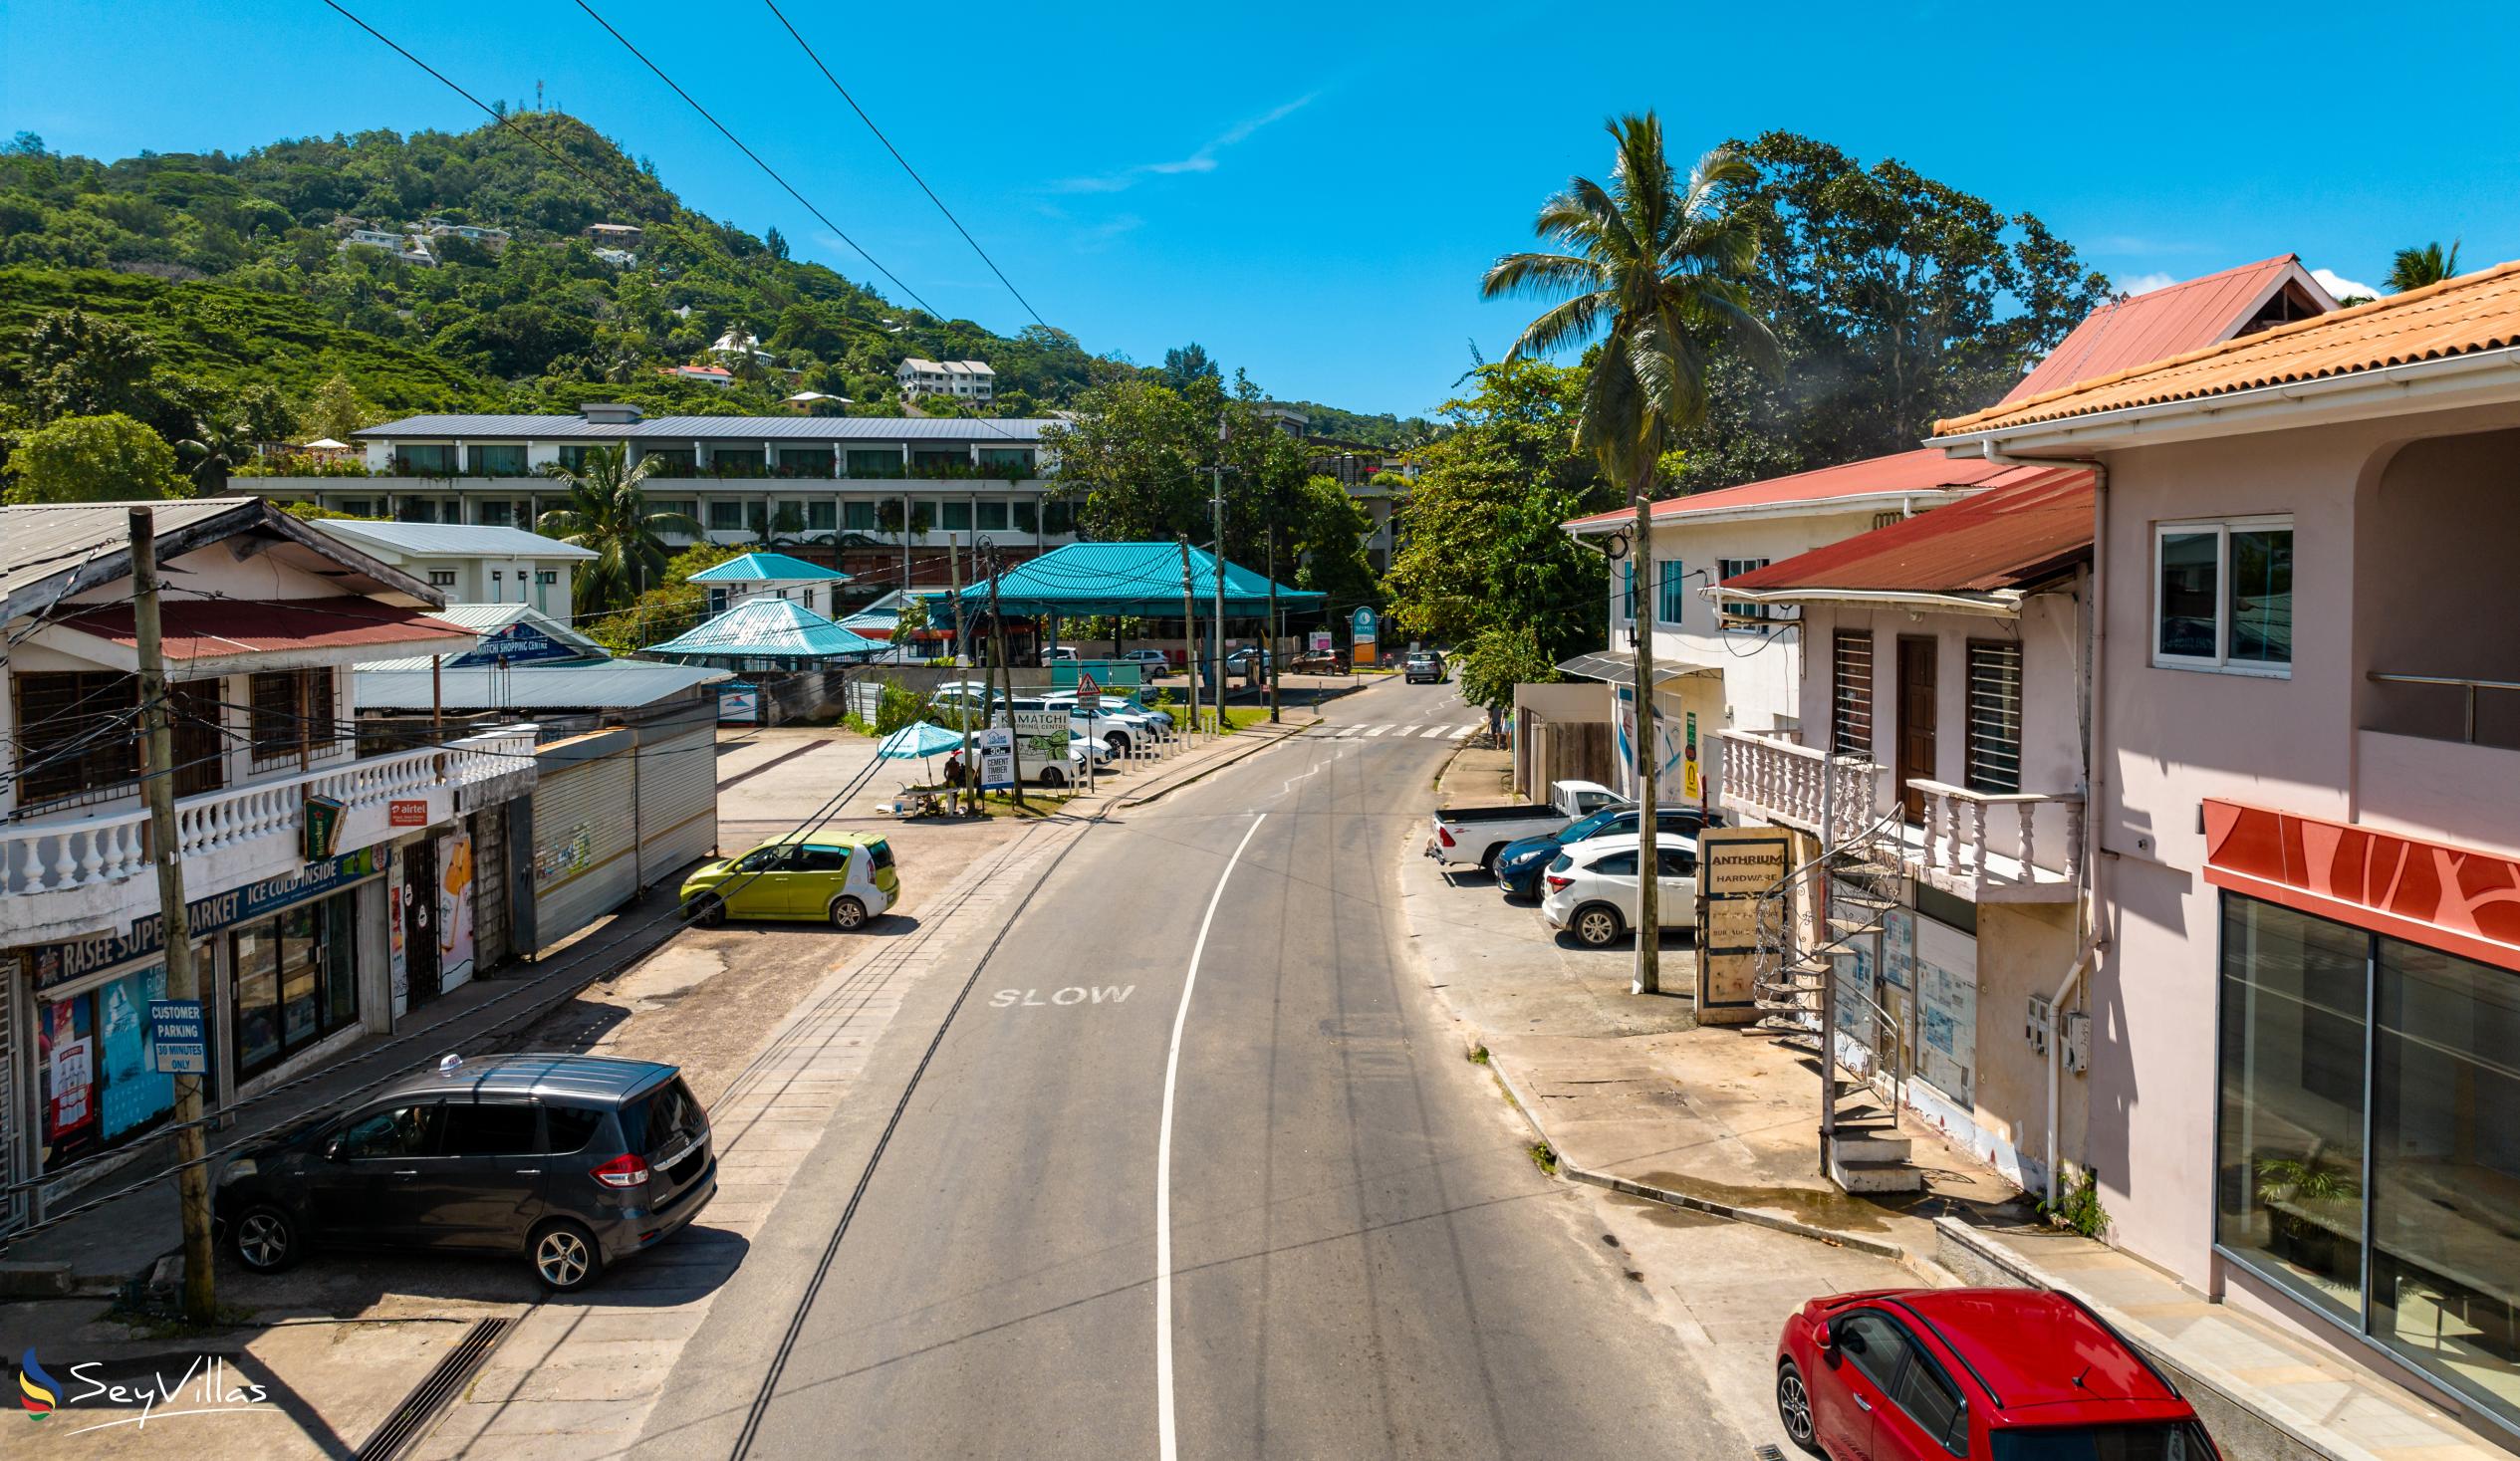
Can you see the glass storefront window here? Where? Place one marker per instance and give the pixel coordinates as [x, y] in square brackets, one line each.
[294, 982]
[95, 1072]
[2446, 1167]
[2413, 1248]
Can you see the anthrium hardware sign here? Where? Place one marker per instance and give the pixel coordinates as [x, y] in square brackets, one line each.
[1737, 866]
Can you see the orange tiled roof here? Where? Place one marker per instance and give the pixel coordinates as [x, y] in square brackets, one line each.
[2476, 311]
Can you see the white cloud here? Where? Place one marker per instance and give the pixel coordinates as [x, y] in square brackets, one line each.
[1202, 160]
[2341, 287]
[2146, 282]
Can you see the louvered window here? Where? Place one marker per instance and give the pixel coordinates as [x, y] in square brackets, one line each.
[1851, 694]
[1994, 717]
[77, 733]
[292, 715]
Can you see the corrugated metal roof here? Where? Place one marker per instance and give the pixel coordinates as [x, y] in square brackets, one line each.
[2476, 311]
[218, 627]
[54, 552]
[618, 682]
[2165, 321]
[41, 540]
[1011, 431]
[2009, 537]
[760, 566]
[1922, 470]
[450, 540]
[767, 628]
[1125, 578]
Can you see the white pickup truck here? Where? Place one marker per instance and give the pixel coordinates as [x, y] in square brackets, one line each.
[1473, 835]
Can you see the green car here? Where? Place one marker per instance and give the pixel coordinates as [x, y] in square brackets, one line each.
[846, 878]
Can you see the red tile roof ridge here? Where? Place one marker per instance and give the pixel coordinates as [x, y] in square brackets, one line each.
[1957, 424]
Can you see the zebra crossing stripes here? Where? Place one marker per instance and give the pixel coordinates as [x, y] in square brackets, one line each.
[1413, 730]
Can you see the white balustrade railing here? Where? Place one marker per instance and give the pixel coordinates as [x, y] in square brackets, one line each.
[51, 856]
[1789, 783]
[1963, 827]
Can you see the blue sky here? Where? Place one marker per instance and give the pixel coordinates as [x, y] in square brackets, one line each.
[1312, 191]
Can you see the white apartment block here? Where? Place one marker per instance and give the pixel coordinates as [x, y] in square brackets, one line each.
[970, 380]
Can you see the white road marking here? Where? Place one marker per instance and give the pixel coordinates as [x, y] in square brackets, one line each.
[1407, 731]
[1375, 730]
[1167, 1444]
[1431, 732]
[1464, 731]
[1030, 999]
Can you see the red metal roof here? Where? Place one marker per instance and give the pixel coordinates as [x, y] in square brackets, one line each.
[199, 630]
[2009, 537]
[2159, 324]
[1924, 470]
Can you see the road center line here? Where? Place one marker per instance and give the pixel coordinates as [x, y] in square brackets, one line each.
[1167, 1444]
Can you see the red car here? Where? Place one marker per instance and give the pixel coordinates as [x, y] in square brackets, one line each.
[1990, 1375]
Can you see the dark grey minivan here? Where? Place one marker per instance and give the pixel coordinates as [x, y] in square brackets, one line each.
[575, 1161]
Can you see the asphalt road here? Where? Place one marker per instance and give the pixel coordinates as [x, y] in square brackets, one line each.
[1358, 1257]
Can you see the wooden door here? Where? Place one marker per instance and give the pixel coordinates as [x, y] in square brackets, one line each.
[1915, 721]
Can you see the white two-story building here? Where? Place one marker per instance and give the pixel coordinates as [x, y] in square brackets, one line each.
[472, 563]
[328, 891]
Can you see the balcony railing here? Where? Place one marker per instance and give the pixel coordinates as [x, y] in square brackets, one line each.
[53, 856]
[2444, 707]
[1982, 845]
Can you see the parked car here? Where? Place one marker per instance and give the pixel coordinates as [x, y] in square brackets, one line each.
[1423, 664]
[1136, 718]
[1519, 867]
[1314, 661]
[572, 1161]
[846, 878]
[1151, 662]
[1477, 835]
[2008, 1374]
[1591, 889]
[1121, 734]
[1059, 652]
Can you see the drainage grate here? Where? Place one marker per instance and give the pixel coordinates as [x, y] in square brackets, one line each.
[410, 1419]
[1768, 1453]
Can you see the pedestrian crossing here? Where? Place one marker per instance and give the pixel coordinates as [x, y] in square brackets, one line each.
[1414, 730]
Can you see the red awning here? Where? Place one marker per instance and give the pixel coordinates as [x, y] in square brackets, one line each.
[216, 629]
[2456, 898]
[2005, 537]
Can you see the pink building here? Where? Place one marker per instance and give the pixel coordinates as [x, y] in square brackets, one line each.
[2303, 1094]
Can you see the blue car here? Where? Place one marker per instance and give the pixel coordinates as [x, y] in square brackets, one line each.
[1519, 866]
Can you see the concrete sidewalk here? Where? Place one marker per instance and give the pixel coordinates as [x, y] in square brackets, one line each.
[1629, 1094]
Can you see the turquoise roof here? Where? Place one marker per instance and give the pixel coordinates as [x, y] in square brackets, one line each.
[767, 628]
[755, 567]
[1133, 579]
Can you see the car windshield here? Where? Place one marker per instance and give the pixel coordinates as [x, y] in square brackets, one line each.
[2162, 1440]
[1584, 827]
[662, 1120]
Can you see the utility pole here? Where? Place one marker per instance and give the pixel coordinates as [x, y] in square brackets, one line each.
[1216, 630]
[1272, 660]
[970, 768]
[1190, 638]
[1005, 670]
[157, 787]
[1649, 979]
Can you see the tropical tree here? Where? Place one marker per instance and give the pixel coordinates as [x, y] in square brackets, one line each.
[106, 458]
[2415, 268]
[607, 514]
[217, 448]
[1654, 268]
[1493, 663]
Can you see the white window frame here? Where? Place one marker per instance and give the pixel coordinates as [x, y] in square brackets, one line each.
[2220, 662]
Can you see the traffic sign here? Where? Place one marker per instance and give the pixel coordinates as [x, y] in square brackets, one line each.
[1086, 690]
[175, 1037]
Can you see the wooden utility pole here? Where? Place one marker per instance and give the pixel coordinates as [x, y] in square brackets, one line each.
[165, 849]
[963, 797]
[1649, 979]
[1190, 638]
[1216, 632]
[1272, 651]
[1006, 672]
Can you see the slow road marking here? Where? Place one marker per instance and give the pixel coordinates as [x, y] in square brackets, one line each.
[1031, 999]
[1167, 1444]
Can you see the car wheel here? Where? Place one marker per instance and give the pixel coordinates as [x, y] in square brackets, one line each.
[565, 1258]
[705, 911]
[266, 1239]
[1793, 1408]
[1119, 743]
[1052, 776]
[1597, 926]
[848, 914]
[1487, 860]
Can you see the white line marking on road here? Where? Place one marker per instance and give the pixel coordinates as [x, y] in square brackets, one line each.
[1407, 731]
[1167, 1444]
[1375, 730]
[1431, 732]
[1464, 731]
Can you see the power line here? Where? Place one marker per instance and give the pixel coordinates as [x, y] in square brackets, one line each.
[906, 166]
[773, 173]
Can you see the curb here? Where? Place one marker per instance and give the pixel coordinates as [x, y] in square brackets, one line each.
[1670, 1198]
[1262, 743]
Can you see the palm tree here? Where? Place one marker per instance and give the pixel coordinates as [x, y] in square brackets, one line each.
[2415, 268]
[1654, 269]
[217, 449]
[608, 513]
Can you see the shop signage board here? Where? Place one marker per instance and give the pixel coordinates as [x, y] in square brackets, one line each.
[518, 643]
[1736, 866]
[56, 964]
[1321, 641]
[406, 812]
[176, 1040]
[738, 703]
[998, 759]
[1360, 637]
[323, 828]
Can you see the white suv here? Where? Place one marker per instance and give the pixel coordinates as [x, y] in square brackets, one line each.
[1591, 889]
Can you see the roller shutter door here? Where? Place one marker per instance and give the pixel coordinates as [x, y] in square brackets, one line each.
[677, 795]
[585, 854]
